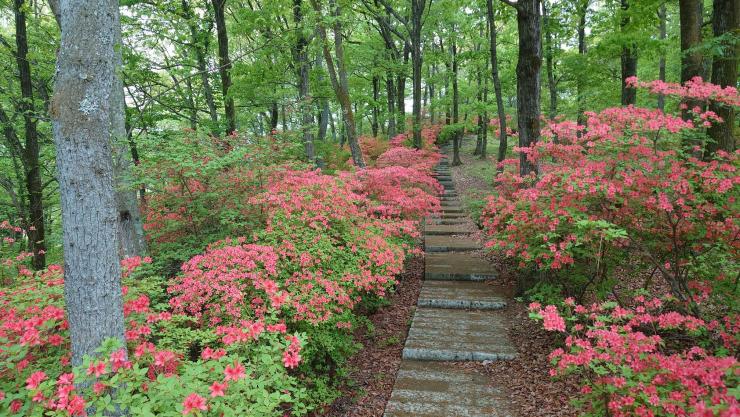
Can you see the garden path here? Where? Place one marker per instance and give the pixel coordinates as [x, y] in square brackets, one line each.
[458, 319]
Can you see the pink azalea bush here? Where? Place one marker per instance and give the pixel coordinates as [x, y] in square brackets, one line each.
[252, 325]
[632, 365]
[619, 196]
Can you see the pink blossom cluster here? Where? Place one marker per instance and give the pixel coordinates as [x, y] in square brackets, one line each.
[621, 353]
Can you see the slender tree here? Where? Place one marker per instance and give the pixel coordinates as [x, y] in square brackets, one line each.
[338, 77]
[302, 66]
[81, 113]
[690, 15]
[502, 141]
[224, 63]
[662, 33]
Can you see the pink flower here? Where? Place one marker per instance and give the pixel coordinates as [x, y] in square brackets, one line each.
[97, 368]
[217, 389]
[552, 320]
[235, 372]
[33, 381]
[193, 402]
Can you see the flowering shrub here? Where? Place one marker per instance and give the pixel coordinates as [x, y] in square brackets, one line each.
[198, 189]
[618, 191]
[634, 364]
[399, 191]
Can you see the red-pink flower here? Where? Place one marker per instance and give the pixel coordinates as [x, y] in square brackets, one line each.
[218, 388]
[33, 381]
[234, 372]
[193, 402]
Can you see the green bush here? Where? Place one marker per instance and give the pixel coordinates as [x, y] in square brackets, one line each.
[449, 132]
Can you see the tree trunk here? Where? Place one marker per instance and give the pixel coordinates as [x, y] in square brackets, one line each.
[224, 64]
[580, 88]
[390, 93]
[552, 87]
[401, 91]
[31, 150]
[417, 10]
[455, 88]
[629, 61]
[502, 144]
[662, 61]
[200, 60]
[691, 21]
[303, 82]
[376, 98]
[324, 106]
[81, 113]
[274, 116]
[338, 76]
[528, 79]
[725, 19]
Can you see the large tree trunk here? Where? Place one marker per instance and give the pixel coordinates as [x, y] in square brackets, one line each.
[31, 150]
[549, 60]
[502, 144]
[200, 49]
[690, 12]
[580, 93]
[338, 76]
[303, 82]
[629, 61]
[224, 64]
[725, 19]
[528, 78]
[661, 61]
[81, 113]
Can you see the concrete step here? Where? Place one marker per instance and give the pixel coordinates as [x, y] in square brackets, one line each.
[438, 334]
[457, 266]
[451, 221]
[460, 295]
[435, 389]
[448, 229]
[452, 209]
[450, 244]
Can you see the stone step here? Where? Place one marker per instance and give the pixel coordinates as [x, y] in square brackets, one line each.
[452, 209]
[448, 229]
[451, 221]
[457, 266]
[450, 244]
[460, 295]
[435, 389]
[438, 334]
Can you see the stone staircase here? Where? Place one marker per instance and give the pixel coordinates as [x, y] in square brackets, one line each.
[458, 318]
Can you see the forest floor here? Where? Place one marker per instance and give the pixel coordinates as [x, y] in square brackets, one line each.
[372, 371]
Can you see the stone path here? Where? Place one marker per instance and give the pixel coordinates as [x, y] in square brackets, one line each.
[458, 318]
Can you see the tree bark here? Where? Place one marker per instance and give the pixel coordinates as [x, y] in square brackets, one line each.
[81, 114]
[629, 61]
[376, 98]
[582, 49]
[662, 61]
[725, 20]
[690, 12]
[303, 82]
[31, 150]
[401, 91]
[338, 76]
[549, 62]
[224, 63]
[455, 87]
[502, 144]
[417, 11]
[528, 78]
[390, 91]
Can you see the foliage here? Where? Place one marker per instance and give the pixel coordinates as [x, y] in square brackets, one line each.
[617, 191]
[635, 361]
[255, 325]
[449, 133]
